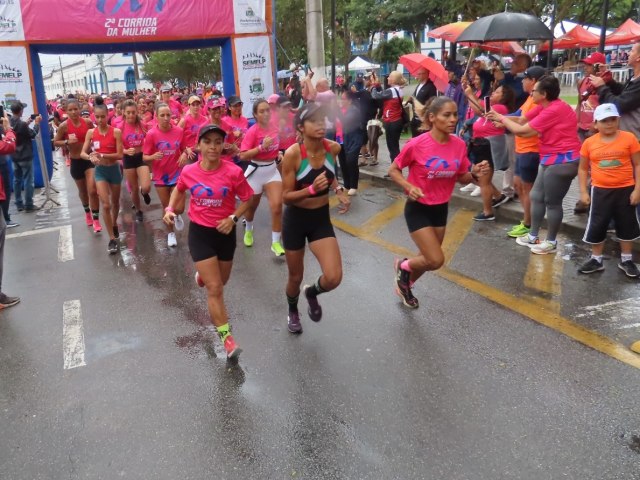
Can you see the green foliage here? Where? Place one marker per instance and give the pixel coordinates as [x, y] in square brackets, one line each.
[389, 52]
[291, 33]
[188, 66]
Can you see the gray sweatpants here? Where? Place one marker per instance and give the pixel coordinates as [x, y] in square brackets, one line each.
[549, 189]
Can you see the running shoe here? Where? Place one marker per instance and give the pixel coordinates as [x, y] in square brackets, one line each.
[315, 310]
[528, 241]
[293, 322]
[501, 200]
[519, 230]
[20, 208]
[591, 266]
[362, 163]
[171, 240]
[233, 350]
[116, 232]
[403, 289]
[88, 219]
[146, 197]
[476, 191]
[139, 216]
[199, 280]
[276, 247]
[6, 301]
[248, 238]
[482, 217]
[545, 247]
[352, 192]
[629, 268]
[113, 246]
[178, 223]
[468, 188]
[12, 224]
[31, 208]
[97, 228]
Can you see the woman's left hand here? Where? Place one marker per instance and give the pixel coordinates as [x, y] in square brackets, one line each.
[225, 226]
[481, 168]
[493, 116]
[182, 161]
[634, 199]
[345, 202]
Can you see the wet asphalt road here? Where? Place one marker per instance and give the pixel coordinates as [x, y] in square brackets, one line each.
[461, 388]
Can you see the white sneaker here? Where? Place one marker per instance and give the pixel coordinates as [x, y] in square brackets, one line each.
[469, 187]
[476, 191]
[171, 240]
[178, 223]
[545, 247]
[352, 192]
[528, 241]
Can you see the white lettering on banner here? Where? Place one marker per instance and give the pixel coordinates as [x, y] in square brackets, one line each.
[14, 78]
[131, 27]
[255, 73]
[11, 28]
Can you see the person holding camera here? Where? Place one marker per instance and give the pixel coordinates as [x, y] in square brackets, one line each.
[23, 156]
[587, 96]
[626, 98]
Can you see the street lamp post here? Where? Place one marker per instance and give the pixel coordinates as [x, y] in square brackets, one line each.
[603, 30]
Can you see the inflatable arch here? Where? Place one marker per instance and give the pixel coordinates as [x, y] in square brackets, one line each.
[241, 28]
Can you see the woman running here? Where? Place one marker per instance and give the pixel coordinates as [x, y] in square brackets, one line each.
[135, 170]
[236, 125]
[192, 122]
[164, 146]
[71, 135]
[436, 160]
[261, 146]
[309, 171]
[103, 147]
[214, 185]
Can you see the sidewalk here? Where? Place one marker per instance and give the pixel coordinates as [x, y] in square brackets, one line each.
[572, 224]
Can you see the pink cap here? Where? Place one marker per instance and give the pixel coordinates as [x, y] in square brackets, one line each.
[595, 57]
[273, 99]
[216, 102]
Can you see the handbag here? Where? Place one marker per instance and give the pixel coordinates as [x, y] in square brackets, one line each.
[404, 109]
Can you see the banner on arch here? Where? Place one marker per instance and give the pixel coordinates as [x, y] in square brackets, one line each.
[255, 72]
[14, 78]
[11, 21]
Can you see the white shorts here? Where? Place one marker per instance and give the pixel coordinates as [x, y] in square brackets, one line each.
[258, 174]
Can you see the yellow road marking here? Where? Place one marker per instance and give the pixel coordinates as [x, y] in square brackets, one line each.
[544, 274]
[540, 311]
[380, 219]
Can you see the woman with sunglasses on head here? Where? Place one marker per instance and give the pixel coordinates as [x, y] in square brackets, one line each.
[261, 146]
[214, 185]
[103, 147]
[436, 160]
[136, 172]
[309, 173]
[236, 125]
[164, 147]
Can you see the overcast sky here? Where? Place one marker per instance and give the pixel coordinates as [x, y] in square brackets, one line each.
[49, 62]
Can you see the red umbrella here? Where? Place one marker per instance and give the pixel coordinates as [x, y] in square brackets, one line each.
[511, 48]
[417, 61]
[449, 32]
[625, 34]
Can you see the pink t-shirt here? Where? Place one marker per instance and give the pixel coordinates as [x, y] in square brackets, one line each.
[192, 128]
[132, 136]
[434, 167]
[237, 128]
[165, 171]
[557, 127]
[254, 137]
[213, 192]
[176, 109]
[285, 131]
[117, 122]
[483, 128]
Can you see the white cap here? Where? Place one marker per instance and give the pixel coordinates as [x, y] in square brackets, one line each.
[606, 110]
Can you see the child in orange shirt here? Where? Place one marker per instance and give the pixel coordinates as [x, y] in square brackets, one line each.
[613, 157]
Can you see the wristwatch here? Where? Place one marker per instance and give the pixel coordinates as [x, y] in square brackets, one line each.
[234, 218]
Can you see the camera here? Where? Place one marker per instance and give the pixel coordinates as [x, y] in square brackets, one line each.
[33, 116]
[596, 68]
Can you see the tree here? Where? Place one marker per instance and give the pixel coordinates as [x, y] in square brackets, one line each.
[188, 66]
[391, 51]
[291, 33]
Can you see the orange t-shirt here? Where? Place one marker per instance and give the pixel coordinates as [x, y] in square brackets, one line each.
[529, 144]
[610, 162]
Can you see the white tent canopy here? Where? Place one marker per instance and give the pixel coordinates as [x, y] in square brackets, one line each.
[360, 63]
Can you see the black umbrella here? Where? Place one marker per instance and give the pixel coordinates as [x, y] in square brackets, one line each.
[506, 26]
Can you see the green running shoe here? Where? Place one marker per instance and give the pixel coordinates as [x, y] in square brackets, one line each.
[518, 231]
[248, 238]
[276, 248]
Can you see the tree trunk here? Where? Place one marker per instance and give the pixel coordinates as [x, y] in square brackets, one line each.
[416, 40]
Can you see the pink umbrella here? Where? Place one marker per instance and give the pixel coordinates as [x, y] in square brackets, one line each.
[417, 61]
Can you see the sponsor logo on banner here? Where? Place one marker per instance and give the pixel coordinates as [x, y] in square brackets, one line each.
[14, 77]
[8, 25]
[9, 74]
[254, 70]
[249, 16]
[10, 21]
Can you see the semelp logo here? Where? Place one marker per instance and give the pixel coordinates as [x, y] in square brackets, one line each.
[9, 74]
[8, 25]
[253, 60]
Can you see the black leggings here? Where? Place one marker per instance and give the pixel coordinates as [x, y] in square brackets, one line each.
[393, 130]
[349, 161]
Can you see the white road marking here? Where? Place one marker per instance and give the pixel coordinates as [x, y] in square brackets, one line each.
[72, 335]
[34, 232]
[620, 314]
[65, 244]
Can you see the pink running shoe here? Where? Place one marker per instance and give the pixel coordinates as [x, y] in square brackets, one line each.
[199, 280]
[233, 350]
[97, 228]
[88, 219]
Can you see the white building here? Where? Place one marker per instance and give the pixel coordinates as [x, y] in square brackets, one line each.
[96, 73]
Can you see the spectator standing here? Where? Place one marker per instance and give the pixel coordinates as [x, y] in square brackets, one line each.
[454, 92]
[587, 96]
[423, 92]
[23, 157]
[352, 142]
[392, 111]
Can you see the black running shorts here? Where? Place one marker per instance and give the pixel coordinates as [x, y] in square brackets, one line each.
[418, 215]
[207, 242]
[78, 167]
[305, 224]
[132, 161]
[611, 204]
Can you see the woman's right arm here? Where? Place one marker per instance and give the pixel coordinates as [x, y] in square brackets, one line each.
[395, 173]
[177, 198]
[84, 153]
[59, 140]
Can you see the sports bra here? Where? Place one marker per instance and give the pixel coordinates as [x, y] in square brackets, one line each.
[80, 132]
[104, 143]
[306, 174]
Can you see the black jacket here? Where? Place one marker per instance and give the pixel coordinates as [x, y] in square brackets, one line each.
[627, 99]
[24, 135]
[427, 91]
